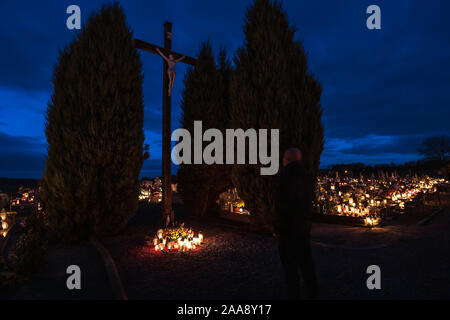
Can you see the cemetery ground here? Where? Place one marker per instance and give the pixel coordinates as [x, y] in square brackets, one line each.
[237, 264]
[233, 264]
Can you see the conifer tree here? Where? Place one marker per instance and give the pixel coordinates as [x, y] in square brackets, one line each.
[221, 173]
[203, 100]
[94, 130]
[271, 88]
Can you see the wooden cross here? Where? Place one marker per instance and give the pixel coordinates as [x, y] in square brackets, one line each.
[166, 141]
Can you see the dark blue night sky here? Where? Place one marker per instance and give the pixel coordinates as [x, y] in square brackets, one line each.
[384, 90]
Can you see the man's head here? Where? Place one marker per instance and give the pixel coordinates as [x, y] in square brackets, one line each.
[290, 155]
[171, 57]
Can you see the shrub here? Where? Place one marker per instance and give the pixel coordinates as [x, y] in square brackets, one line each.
[271, 88]
[95, 132]
[31, 247]
[205, 98]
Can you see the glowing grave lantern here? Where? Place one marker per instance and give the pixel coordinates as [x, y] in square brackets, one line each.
[175, 238]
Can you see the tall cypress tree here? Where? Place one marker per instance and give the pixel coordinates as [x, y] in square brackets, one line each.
[272, 89]
[94, 131]
[220, 119]
[204, 98]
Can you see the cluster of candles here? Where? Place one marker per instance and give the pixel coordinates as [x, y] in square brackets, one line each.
[26, 197]
[150, 195]
[4, 224]
[371, 221]
[187, 242]
[366, 197]
[239, 207]
[151, 190]
[229, 201]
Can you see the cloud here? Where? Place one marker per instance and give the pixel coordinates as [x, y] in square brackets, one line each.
[372, 149]
[21, 157]
[13, 144]
[373, 145]
[383, 90]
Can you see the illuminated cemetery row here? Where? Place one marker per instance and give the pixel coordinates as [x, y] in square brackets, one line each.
[367, 198]
[24, 198]
[344, 196]
[151, 190]
[7, 220]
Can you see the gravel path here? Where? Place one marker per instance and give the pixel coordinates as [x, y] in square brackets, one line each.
[50, 283]
[414, 262]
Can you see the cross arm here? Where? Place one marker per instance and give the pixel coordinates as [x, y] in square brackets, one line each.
[139, 44]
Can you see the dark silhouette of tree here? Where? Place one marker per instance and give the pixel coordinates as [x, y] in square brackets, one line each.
[205, 98]
[271, 88]
[435, 148]
[221, 172]
[95, 131]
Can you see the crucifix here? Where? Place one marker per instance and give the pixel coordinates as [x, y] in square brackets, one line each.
[170, 59]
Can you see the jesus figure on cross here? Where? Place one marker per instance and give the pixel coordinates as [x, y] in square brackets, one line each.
[171, 61]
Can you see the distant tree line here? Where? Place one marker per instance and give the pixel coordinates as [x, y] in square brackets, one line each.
[435, 148]
[11, 185]
[436, 162]
[430, 167]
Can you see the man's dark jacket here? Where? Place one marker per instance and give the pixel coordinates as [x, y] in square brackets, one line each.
[294, 201]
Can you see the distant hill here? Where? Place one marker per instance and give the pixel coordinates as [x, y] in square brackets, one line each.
[12, 185]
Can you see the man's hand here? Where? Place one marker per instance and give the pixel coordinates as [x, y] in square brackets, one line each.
[275, 235]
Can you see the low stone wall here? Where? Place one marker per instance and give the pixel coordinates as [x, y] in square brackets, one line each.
[335, 219]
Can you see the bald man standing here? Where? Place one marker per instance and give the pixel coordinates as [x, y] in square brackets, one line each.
[293, 223]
